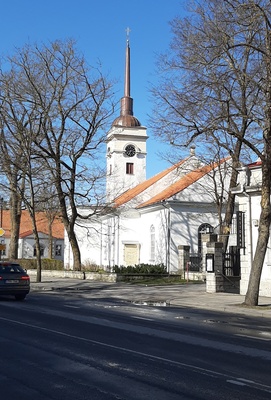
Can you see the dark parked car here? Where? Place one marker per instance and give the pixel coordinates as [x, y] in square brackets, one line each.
[14, 281]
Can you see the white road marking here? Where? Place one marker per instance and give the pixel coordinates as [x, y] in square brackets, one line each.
[236, 382]
[144, 318]
[253, 337]
[204, 371]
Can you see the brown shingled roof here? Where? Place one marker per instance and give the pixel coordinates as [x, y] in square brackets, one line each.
[133, 192]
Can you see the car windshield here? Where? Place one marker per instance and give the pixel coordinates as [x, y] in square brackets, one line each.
[11, 268]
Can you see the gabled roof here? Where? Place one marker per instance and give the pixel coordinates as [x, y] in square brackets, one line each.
[141, 187]
[26, 224]
[166, 192]
[180, 185]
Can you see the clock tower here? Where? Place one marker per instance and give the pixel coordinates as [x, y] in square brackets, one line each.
[126, 145]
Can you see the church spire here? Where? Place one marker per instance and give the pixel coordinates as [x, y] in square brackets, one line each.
[127, 66]
[126, 118]
[126, 101]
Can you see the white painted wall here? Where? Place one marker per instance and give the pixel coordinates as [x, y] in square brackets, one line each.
[248, 198]
[102, 242]
[118, 138]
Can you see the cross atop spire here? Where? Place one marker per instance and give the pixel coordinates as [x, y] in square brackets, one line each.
[126, 117]
[128, 30]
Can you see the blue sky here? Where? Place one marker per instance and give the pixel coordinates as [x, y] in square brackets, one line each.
[99, 27]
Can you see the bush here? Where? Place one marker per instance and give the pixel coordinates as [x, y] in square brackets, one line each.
[141, 269]
[90, 266]
[46, 264]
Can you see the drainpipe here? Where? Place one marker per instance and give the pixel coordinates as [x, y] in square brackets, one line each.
[118, 240]
[109, 233]
[168, 237]
[250, 244]
[101, 244]
[168, 221]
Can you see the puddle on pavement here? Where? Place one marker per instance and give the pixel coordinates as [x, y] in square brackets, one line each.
[151, 303]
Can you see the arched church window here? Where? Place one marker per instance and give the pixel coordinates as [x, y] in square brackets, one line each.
[203, 228]
[152, 242]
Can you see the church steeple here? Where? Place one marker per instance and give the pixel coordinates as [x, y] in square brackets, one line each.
[126, 118]
[126, 143]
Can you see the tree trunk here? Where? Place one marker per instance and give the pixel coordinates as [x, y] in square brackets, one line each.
[51, 244]
[75, 251]
[15, 218]
[37, 246]
[226, 228]
[252, 295]
[38, 256]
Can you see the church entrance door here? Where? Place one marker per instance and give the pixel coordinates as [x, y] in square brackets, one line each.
[131, 254]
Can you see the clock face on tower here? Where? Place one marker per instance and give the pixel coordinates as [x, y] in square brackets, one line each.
[130, 150]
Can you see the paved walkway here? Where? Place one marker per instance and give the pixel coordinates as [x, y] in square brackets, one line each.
[189, 295]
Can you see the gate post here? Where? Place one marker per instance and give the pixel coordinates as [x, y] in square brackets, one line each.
[214, 280]
[206, 238]
[183, 259]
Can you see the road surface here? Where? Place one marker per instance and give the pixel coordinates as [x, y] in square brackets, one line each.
[68, 346]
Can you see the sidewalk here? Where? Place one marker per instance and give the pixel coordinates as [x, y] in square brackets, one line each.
[189, 295]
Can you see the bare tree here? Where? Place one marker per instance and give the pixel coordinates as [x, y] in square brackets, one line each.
[12, 161]
[47, 201]
[69, 105]
[217, 88]
[206, 94]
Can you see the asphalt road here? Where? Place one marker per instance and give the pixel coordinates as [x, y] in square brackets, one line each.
[68, 346]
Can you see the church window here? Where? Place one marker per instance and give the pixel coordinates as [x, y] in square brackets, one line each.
[152, 241]
[203, 228]
[129, 168]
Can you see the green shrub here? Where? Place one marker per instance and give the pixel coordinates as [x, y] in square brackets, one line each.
[46, 264]
[142, 269]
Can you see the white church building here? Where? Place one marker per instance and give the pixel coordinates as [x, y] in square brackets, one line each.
[148, 219]
[248, 197]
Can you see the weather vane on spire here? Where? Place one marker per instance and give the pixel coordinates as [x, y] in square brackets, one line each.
[128, 30]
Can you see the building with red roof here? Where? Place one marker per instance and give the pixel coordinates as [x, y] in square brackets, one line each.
[148, 218]
[26, 238]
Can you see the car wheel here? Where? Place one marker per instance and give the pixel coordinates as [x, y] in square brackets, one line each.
[20, 297]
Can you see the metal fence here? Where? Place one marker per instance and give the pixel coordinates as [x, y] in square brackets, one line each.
[195, 264]
[231, 263]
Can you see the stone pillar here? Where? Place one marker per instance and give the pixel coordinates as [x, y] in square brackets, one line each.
[183, 259]
[206, 238]
[214, 280]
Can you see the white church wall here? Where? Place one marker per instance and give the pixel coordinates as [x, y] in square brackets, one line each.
[153, 231]
[89, 233]
[184, 227]
[156, 231]
[250, 205]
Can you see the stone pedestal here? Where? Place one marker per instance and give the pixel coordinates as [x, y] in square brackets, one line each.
[214, 280]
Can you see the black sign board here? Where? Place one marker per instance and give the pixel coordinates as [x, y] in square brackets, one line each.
[240, 227]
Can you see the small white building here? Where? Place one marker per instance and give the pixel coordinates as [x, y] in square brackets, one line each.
[27, 246]
[51, 236]
[248, 198]
[148, 219]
